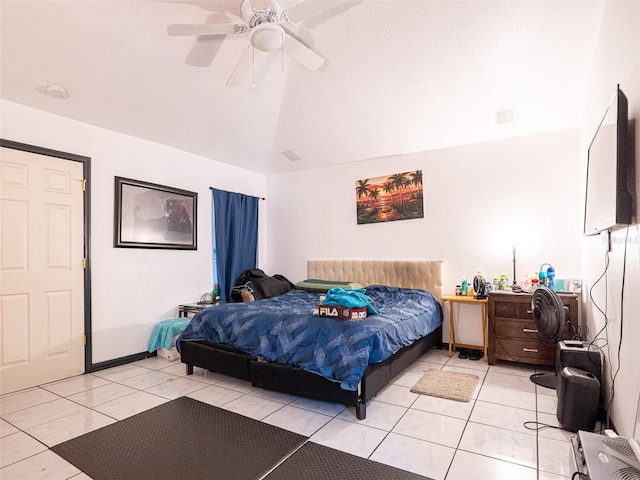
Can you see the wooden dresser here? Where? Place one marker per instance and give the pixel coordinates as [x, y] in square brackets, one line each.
[513, 334]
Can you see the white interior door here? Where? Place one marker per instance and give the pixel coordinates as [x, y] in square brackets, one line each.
[41, 269]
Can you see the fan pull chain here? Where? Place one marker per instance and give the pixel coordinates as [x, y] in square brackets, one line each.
[253, 67]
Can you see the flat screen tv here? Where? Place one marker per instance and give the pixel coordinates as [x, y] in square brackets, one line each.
[608, 202]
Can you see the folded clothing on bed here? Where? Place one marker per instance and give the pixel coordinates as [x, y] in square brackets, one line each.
[284, 330]
[349, 298]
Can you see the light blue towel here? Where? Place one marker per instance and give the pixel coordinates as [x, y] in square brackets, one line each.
[349, 298]
[164, 331]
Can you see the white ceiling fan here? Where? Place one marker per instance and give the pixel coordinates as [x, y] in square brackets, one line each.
[266, 23]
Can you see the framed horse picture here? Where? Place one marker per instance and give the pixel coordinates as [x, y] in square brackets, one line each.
[148, 215]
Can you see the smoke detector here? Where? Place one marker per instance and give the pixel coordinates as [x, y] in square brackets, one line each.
[58, 92]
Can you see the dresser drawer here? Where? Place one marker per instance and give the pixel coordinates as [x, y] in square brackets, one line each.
[521, 310]
[524, 329]
[513, 334]
[525, 351]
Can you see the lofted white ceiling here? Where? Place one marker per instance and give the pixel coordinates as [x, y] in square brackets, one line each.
[400, 76]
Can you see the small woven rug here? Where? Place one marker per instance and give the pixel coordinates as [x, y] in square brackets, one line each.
[445, 384]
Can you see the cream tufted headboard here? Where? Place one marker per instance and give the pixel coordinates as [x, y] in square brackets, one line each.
[424, 274]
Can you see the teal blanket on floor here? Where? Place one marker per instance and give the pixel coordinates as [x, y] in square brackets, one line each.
[164, 331]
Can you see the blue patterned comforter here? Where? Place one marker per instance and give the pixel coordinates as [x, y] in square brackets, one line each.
[284, 330]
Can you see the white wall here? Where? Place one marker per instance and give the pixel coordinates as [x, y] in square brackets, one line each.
[133, 288]
[479, 201]
[616, 62]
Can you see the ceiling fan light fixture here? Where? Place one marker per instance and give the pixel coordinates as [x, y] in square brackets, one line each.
[267, 37]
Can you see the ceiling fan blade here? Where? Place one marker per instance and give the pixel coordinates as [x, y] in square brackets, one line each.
[238, 21]
[310, 8]
[303, 54]
[204, 50]
[205, 47]
[179, 30]
[242, 67]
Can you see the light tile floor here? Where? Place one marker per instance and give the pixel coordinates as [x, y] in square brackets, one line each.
[484, 439]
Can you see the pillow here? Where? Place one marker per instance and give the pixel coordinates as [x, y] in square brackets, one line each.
[323, 286]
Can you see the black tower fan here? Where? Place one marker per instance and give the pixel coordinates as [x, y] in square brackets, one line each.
[550, 315]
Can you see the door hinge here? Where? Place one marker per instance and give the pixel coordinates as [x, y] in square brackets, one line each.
[84, 340]
[84, 184]
[84, 263]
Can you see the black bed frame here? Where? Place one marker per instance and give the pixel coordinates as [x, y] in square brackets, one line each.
[295, 381]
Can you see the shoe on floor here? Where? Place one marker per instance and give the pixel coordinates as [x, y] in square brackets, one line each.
[476, 355]
[464, 353]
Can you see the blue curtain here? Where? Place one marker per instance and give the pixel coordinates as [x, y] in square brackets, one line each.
[235, 242]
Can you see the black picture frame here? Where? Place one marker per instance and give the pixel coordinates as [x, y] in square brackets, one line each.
[148, 215]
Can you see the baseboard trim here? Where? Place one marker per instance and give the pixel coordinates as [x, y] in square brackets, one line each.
[120, 361]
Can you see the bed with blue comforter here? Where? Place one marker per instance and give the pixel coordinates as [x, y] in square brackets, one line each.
[284, 331]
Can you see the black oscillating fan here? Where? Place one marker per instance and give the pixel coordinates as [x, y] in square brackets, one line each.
[480, 287]
[550, 315]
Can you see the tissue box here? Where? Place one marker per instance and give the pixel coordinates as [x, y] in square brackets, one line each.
[341, 312]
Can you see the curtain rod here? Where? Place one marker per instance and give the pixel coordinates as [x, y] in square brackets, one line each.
[260, 198]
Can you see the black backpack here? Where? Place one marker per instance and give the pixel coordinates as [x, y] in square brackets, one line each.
[260, 285]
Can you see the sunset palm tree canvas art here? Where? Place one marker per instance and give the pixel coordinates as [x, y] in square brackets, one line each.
[398, 196]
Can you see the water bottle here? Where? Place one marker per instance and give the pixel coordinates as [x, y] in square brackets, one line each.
[215, 294]
[542, 277]
[463, 286]
[551, 275]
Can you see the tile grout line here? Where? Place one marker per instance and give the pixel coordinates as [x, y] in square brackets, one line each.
[537, 435]
[466, 424]
[388, 432]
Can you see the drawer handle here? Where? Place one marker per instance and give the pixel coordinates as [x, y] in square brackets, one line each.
[529, 330]
[530, 312]
[533, 350]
